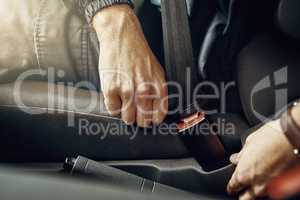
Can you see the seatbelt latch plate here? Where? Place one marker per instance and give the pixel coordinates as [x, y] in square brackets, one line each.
[190, 121]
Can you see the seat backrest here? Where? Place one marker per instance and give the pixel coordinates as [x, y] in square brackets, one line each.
[269, 66]
[287, 17]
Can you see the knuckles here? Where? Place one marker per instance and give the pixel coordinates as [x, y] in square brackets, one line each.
[111, 91]
[143, 90]
[127, 93]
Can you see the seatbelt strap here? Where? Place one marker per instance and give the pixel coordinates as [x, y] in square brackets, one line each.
[180, 68]
[179, 59]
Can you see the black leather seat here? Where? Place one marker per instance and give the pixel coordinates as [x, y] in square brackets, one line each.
[50, 131]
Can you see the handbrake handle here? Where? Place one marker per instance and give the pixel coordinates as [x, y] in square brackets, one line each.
[85, 167]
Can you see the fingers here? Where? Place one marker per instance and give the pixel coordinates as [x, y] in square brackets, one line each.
[111, 92]
[238, 182]
[128, 105]
[160, 105]
[112, 102]
[234, 159]
[240, 178]
[243, 180]
[248, 195]
[260, 190]
[144, 101]
[136, 98]
[139, 105]
[253, 193]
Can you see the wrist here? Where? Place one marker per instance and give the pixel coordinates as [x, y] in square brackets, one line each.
[295, 112]
[112, 20]
[286, 146]
[291, 129]
[92, 7]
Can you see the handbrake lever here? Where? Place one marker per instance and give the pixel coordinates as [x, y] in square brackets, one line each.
[88, 168]
[180, 67]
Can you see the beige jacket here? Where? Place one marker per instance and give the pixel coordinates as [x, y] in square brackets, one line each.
[44, 34]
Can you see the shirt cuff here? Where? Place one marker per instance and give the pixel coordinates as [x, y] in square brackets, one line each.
[91, 7]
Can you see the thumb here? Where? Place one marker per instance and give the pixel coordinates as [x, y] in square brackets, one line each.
[234, 159]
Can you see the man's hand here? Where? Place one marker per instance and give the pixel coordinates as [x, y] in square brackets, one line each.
[266, 154]
[132, 80]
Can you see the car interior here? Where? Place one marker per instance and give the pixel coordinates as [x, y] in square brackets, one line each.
[259, 38]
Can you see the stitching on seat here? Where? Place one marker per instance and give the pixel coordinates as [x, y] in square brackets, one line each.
[84, 52]
[62, 110]
[37, 34]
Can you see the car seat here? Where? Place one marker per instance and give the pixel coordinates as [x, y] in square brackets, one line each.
[45, 137]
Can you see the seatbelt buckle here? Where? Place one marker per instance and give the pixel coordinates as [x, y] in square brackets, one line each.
[190, 121]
